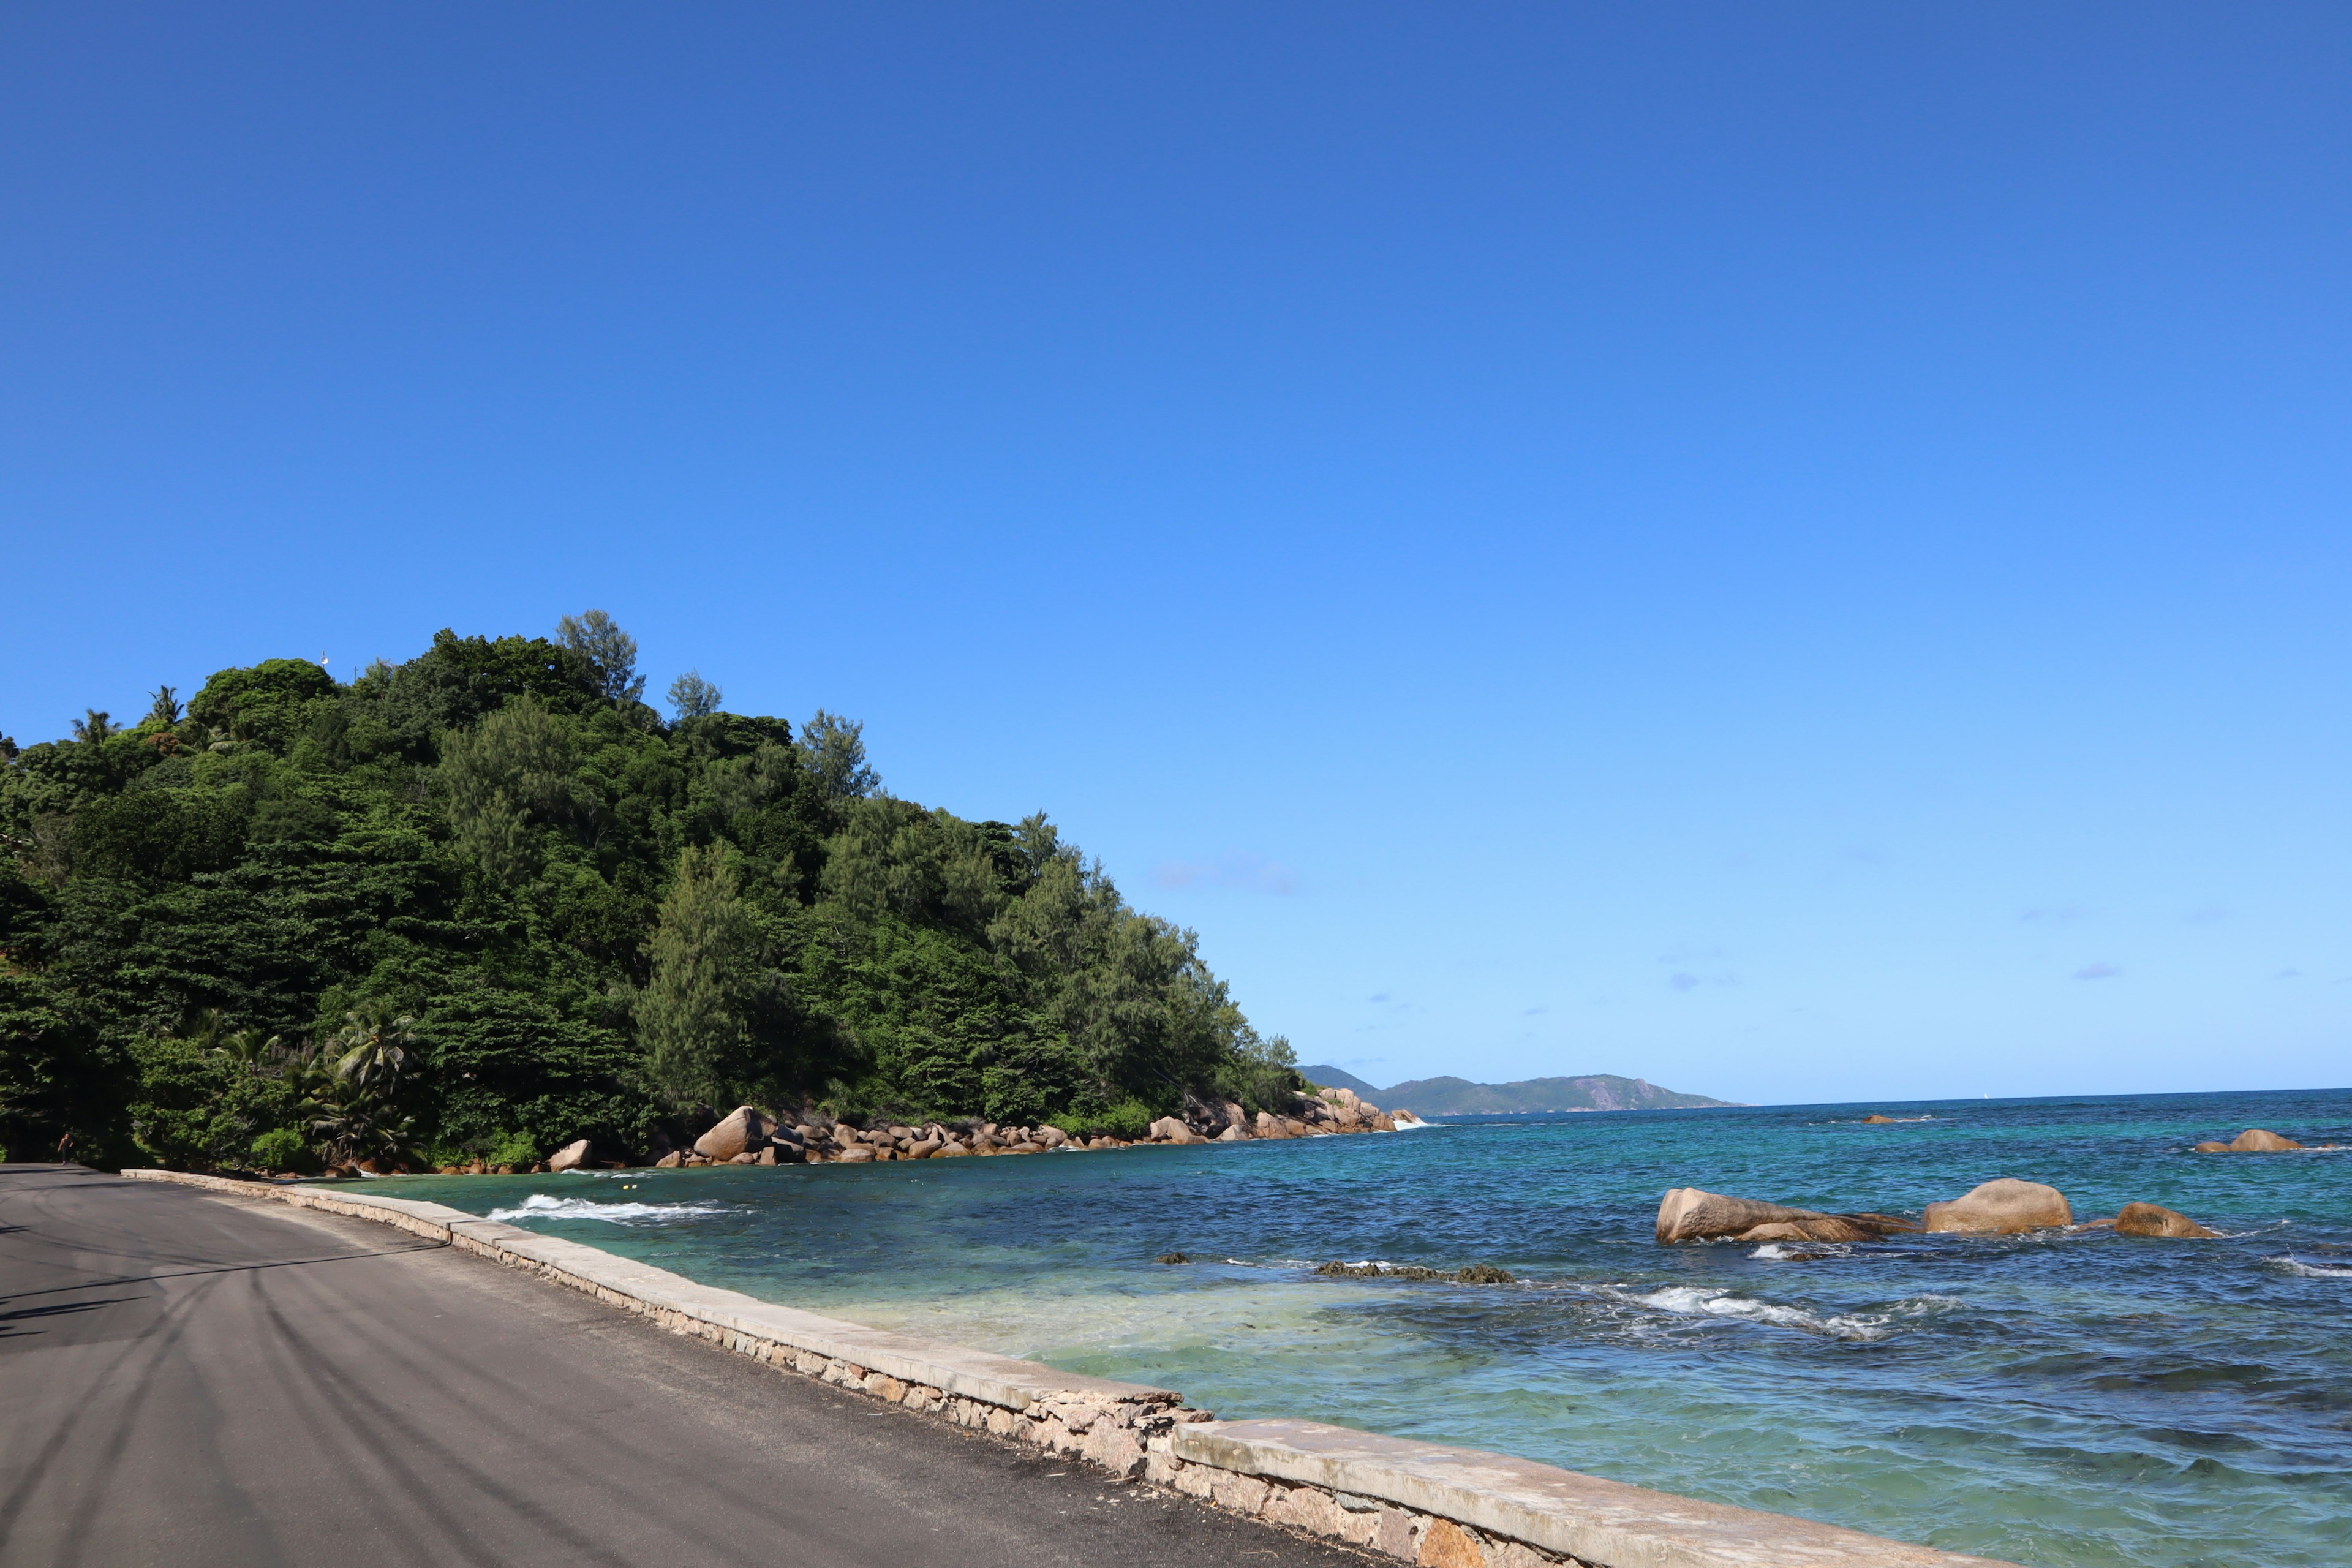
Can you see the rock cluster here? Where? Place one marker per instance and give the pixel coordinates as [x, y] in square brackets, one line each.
[2000, 1208]
[1204, 1121]
[750, 1136]
[746, 1135]
[1474, 1274]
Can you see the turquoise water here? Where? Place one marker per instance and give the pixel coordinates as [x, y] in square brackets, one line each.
[2054, 1400]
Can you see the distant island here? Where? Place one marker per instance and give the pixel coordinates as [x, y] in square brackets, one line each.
[1459, 1097]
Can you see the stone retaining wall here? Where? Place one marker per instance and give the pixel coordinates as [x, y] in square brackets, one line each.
[1422, 1502]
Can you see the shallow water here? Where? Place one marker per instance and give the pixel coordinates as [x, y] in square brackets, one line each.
[2054, 1400]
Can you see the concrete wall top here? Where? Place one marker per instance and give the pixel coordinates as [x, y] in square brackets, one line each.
[1561, 1511]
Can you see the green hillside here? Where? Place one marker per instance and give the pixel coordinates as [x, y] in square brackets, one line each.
[488, 900]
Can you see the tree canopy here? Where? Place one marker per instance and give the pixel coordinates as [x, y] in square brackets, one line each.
[488, 901]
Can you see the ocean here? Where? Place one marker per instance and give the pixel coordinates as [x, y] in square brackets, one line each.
[2062, 1400]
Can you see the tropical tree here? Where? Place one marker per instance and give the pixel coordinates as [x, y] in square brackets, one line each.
[835, 749]
[691, 697]
[372, 1049]
[613, 652]
[695, 1015]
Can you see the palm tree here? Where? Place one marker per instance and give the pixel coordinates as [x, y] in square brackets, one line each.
[374, 1048]
[249, 1048]
[96, 726]
[359, 1122]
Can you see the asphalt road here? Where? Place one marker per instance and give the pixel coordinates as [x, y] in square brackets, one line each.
[188, 1380]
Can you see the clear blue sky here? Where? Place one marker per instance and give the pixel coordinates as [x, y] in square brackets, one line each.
[1799, 551]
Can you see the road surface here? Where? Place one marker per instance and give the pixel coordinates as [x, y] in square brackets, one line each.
[188, 1380]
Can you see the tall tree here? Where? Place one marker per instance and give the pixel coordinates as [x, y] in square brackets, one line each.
[691, 697]
[600, 639]
[694, 1017]
[837, 752]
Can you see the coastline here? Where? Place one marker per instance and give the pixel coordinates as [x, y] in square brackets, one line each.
[1423, 1502]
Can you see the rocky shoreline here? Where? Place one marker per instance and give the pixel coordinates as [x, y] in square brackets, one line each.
[749, 1135]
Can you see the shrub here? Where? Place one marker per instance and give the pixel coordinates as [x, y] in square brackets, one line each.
[1129, 1120]
[515, 1149]
[282, 1150]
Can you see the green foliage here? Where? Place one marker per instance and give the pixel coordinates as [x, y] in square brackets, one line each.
[516, 1149]
[282, 1149]
[691, 697]
[1130, 1118]
[1262, 1074]
[836, 747]
[613, 652]
[511, 771]
[485, 900]
[696, 1016]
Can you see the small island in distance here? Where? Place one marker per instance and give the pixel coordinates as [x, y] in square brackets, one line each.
[1459, 1097]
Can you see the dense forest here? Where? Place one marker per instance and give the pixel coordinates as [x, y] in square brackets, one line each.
[489, 900]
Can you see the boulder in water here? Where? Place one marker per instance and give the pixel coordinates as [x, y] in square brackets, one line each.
[2211, 1146]
[1690, 1214]
[570, 1157]
[1817, 1227]
[2153, 1219]
[2003, 1206]
[1874, 1119]
[2261, 1140]
[743, 1128]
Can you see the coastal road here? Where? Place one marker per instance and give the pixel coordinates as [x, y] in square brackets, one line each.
[188, 1380]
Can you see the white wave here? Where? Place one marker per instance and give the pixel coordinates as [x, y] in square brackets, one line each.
[2308, 1270]
[1690, 1301]
[1416, 1126]
[539, 1205]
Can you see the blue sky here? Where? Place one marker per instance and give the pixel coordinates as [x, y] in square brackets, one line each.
[1797, 551]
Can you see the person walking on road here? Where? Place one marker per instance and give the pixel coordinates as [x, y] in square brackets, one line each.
[65, 1150]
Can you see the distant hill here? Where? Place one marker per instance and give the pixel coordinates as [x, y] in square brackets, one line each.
[1459, 1097]
[1333, 1077]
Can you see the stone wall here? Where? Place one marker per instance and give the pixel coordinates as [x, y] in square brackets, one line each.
[1419, 1502]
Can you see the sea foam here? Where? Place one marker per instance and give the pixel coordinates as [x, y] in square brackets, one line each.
[1690, 1301]
[2308, 1270]
[539, 1205]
